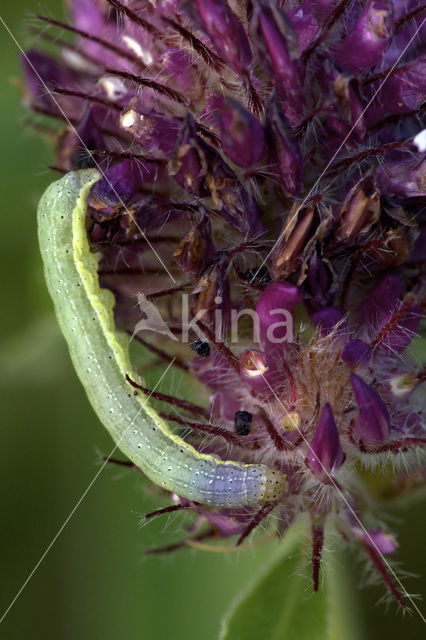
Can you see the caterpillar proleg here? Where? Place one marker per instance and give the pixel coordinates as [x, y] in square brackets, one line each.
[100, 356]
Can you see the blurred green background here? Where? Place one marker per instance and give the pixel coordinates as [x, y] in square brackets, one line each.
[95, 582]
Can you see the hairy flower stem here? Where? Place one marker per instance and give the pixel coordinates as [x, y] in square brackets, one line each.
[264, 511]
[380, 567]
[317, 545]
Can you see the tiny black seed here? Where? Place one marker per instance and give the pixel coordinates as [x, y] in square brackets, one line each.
[257, 275]
[242, 422]
[201, 347]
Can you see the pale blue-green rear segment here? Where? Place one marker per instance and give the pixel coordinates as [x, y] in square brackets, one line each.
[100, 357]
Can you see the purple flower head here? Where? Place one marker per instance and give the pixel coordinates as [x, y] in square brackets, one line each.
[263, 174]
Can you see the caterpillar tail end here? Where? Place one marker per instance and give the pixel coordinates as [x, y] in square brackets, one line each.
[276, 485]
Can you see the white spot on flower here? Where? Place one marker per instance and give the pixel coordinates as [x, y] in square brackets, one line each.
[420, 140]
[129, 119]
[114, 87]
[141, 53]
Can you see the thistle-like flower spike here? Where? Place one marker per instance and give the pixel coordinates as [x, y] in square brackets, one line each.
[372, 425]
[232, 134]
[325, 453]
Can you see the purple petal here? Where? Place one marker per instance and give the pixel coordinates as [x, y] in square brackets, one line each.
[325, 453]
[368, 38]
[405, 178]
[372, 425]
[151, 216]
[381, 300]
[153, 131]
[321, 9]
[343, 105]
[225, 525]
[73, 149]
[327, 319]
[404, 89]
[223, 406]
[179, 71]
[398, 329]
[356, 351]
[412, 424]
[284, 149]
[41, 71]
[215, 372]
[319, 284]
[88, 16]
[278, 53]
[418, 253]
[380, 541]
[242, 135]
[118, 185]
[274, 308]
[187, 166]
[304, 24]
[226, 32]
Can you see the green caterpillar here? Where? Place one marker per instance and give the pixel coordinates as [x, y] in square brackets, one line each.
[100, 357]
